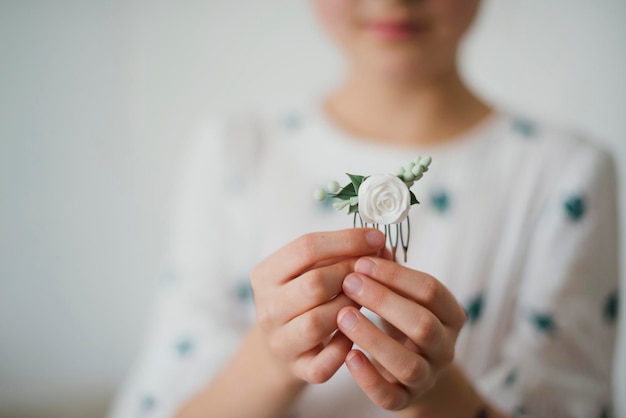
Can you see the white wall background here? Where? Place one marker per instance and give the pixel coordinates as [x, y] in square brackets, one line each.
[94, 98]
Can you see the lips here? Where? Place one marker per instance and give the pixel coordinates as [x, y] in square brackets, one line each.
[394, 31]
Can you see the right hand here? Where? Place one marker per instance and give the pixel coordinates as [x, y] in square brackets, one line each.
[297, 292]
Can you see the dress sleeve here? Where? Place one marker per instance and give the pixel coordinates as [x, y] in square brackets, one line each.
[556, 361]
[203, 301]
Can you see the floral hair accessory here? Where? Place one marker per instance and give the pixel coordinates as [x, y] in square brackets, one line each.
[380, 200]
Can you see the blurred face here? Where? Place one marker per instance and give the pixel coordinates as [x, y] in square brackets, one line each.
[398, 38]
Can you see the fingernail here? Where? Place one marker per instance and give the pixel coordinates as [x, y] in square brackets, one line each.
[352, 284]
[354, 360]
[375, 238]
[348, 320]
[365, 266]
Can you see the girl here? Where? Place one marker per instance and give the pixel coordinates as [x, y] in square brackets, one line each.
[506, 307]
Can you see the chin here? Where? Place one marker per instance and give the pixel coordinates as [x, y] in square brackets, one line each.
[404, 68]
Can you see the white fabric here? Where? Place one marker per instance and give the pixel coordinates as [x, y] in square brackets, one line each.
[517, 219]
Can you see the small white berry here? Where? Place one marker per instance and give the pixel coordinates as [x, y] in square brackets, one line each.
[320, 194]
[333, 186]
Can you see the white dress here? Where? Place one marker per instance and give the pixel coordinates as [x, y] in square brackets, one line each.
[516, 218]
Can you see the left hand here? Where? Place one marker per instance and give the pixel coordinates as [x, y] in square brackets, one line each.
[425, 319]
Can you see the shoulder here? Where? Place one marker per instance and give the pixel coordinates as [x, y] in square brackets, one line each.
[556, 153]
[560, 171]
[242, 133]
[223, 151]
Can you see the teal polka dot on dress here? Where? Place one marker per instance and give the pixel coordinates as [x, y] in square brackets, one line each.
[524, 127]
[520, 411]
[575, 208]
[475, 309]
[543, 323]
[510, 378]
[440, 201]
[293, 121]
[184, 347]
[244, 291]
[148, 402]
[611, 307]
[605, 413]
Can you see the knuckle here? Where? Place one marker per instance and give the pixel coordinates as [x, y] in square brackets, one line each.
[306, 247]
[311, 327]
[389, 270]
[430, 290]
[412, 371]
[426, 329]
[317, 375]
[378, 296]
[313, 287]
[263, 317]
[390, 401]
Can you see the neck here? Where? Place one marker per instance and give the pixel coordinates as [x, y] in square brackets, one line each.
[405, 111]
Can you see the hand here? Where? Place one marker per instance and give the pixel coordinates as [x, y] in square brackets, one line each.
[425, 318]
[298, 295]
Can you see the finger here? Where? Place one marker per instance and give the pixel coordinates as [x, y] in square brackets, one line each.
[320, 364]
[387, 255]
[308, 330]
[387, 395]
[413, 320]
[414, 285]
[315, 287]
[406, 365]
[302, 294]
[300, 255]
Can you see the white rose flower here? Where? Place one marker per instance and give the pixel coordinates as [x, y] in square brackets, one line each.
[384, 199]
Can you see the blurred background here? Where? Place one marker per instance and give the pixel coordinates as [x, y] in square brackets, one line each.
[96, 97]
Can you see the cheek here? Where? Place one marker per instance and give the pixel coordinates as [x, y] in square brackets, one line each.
[455, 17]
[337, 17]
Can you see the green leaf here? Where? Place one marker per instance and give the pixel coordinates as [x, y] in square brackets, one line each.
[414, 200]
[346, 193]
[353, 209]
[356, 181]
